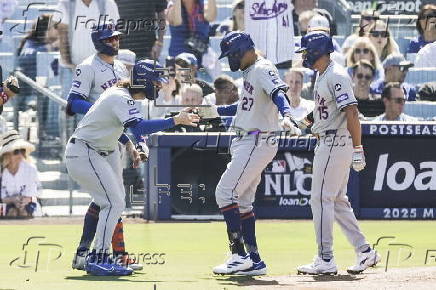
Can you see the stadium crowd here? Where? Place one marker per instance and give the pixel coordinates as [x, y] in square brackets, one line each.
[182, 34]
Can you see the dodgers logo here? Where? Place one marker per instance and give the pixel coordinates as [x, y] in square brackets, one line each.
[342, 98]
[338, 87]
[259, 11]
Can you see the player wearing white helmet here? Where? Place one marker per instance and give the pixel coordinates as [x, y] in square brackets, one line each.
[336, 124]
[256, 117]
[92, 158]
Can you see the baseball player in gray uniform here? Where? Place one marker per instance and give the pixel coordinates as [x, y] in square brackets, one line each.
[256, 120]
[336, 124]
[93, 161]
[92, 77]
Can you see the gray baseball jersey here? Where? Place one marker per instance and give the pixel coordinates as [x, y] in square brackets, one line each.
[333, 91]
[104, 123]
[332, 161]
[93, 76]
[256, 109]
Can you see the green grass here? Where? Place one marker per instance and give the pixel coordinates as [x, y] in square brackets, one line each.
[191, 250]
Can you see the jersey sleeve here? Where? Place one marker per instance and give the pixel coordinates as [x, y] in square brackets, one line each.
[82, 81]
[342, 90]
[125, 109]
[269, 80]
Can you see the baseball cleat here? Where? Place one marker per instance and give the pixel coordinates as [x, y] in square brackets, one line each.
[129, 262]
[319, 267]
[234, 264]
[98, 266]
[79, 261]
[257, 269]
[364, 261]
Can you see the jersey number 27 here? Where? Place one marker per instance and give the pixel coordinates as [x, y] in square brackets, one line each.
[247, 103]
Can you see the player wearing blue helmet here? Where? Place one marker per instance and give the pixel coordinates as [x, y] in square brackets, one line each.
[336, 124]
[256, 121]
[92, 158]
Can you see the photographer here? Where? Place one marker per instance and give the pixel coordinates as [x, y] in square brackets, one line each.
[189, 26]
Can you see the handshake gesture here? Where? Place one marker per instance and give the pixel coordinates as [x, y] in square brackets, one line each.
[187, 117]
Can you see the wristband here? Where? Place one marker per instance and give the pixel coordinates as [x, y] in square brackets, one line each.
[358, 148]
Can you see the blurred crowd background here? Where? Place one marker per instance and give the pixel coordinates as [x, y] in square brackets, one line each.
[388, 48]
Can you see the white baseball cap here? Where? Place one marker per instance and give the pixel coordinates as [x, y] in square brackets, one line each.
[126, 56]
[319, 23]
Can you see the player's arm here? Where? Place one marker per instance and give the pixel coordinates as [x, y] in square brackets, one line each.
[213, 111]
[77, 104]
[77, 99]
[353, 124]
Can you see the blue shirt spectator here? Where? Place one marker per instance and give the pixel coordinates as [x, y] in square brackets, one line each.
[395, 70]
[189, 26]
[425, 28]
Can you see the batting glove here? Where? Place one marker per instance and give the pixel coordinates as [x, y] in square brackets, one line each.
[142, 148]
[289, 125]
[358, 160]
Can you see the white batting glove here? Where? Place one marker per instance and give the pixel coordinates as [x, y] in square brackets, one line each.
[358, 160]
[143, 150]
[288, 125]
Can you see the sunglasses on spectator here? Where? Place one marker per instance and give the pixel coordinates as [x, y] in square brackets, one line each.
[369, 18]
[361, 50]
[112, 38]
[361, 76]
[398, 100]
[379, 34]
[19, 151]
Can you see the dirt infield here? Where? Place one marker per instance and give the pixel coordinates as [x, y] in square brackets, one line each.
[398, 278]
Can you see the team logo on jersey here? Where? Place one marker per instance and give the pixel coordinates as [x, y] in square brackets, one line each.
[131, 102]
[338, 87]
[342, 98]
[78, 72]
[76, 84]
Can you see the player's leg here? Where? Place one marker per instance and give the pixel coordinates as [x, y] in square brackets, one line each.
[118, 242]
[88, 234]
[324, 191]
[93, 173]
[248, 161]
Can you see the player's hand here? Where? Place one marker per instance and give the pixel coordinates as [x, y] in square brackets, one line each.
[143, 151]
[288, 125]
[10, 88]
[186, 118]
[358, 160]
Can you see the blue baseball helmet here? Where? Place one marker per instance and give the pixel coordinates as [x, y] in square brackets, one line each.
[144, 73]
[99, 34]
[313, 46]
[233, 46]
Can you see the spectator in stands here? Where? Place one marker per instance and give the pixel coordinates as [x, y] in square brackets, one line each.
[301, 6]
[367, 18]
[189, 26]
[127, 57]
[141, 38]
[394, 99]
[226, 92]
[191, 95]
[426, 56]
[363, 75]
[235, 22]
[74, 28]
[300, 107]
[426, 27]
[189, 61]
[382, 39]
[303, 21]
[395, 70]
[19, 178]
[364, 49]
[165, 101]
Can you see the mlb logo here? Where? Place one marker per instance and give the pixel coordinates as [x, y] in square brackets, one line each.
[278, 166]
